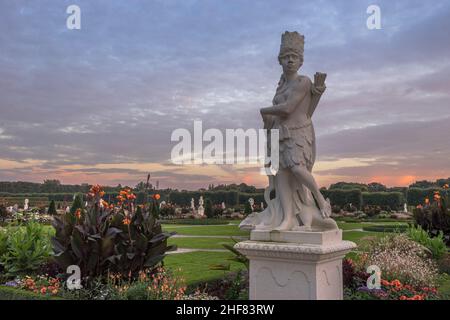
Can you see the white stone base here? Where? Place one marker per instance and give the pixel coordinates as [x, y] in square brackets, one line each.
[300, 237]
[296, 271]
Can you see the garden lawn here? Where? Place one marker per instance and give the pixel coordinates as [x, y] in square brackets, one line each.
[224, 230]
[356, 236]
[360, 225]
[194, 266]
[200, 243]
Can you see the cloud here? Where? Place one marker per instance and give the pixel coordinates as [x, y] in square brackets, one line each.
[113, 92]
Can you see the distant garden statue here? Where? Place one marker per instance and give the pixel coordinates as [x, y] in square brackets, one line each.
[298, 203]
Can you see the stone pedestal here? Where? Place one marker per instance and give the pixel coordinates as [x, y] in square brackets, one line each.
[295, 265]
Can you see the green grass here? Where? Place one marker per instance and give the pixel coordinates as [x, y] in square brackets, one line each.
[194, 266]
[360, 225]
[356, 236]
[200, 243]
[206, 230]
[196, 221]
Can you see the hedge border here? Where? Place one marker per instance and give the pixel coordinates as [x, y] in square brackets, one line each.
[10, 293]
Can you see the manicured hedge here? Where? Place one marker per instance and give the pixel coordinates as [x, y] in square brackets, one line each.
[231, 198]
[368, 219]
[9, 293]
[386, 228]
[341, 197]
[394, 200]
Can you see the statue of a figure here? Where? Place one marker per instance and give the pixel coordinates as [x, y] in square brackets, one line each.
[26, 204]
[200, 209]
[298, 203]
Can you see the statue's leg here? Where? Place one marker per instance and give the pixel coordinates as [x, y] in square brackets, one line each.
[307, 179]
[285, 194]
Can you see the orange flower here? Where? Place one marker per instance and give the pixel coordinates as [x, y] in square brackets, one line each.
[417, 297]
[131, 197]
[105, 204]
[403, 298]
[78, 213]
[43, 290]
[126, 221]
[396, 283]
[445, 186]
[385, 283]
[156, 196]
[437, 196]
[55, 291]
[97, 189]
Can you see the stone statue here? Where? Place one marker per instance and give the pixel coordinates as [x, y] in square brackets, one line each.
[223, 206]
[298, 203]
[201, 209]
[192, 204]
[26, 204]
[405, 208]
[252, 202]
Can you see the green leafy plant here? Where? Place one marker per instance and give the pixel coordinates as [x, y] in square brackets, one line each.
[25, 248]
[77, 203]
[104, 238]
[434, 216]
[237, 256]
[436, 245]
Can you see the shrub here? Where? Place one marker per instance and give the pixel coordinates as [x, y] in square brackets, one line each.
[3, 212]
[209, 209]
[77, 203]
[26, 249]
[436, 245]
[102, 238]
[336, 209]
[372, 211]
[158, 285]
[167, 210]
[416, 196]
[10, 293]
[434, 216]
[386, 228]
[248, 208]
[400, 258]
[52, 208]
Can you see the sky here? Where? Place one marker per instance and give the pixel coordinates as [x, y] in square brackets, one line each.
[99, 104]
